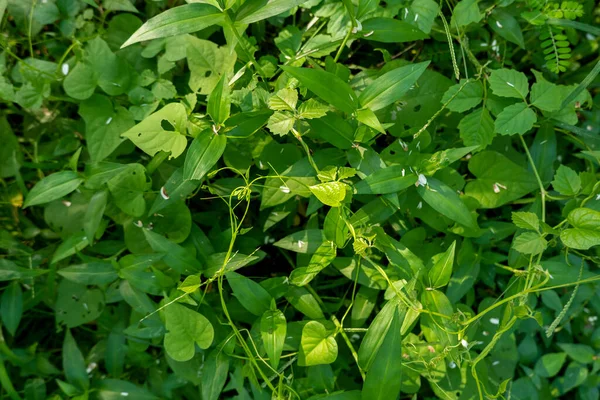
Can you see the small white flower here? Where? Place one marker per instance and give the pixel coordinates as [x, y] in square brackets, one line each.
[164, 194]
[498, 24]
[422, 180]
[510, 84]
[496, 188]
[404, 173]
[300, 244]
[420, 205]
[369, 34]
[67, 203]
[92, 366]
[284, 189]
[486, 333]
[124, 394]
[464, 343]
[65, 69]
[138, 223]
[108, 121]
[452, 364]
[416, 17]
[589, 128]
[495, 321]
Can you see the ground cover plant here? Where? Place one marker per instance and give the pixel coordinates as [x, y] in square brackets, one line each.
[299, 199]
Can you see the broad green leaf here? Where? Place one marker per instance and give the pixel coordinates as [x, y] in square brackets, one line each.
[549, 364]
[579, 352]
[526, 220]
[250, 294]
[383, 381]
[53, 187]
[446, 201]
[81, 82]
[515, 119]
[307, 241]
[93, 273]
[113, 389]
[94, 213]
[566, 181]
[175, 189]
[469, 97]
[585, 230]
[477, 128]
[119, 5]
[281, 123]
[435, 328]
[324, 255]
[327, 86]
[545, 95]
[71, 245]
[389, 30]
[530, 243]
[74, 363]
[499, 180]
[203, 154]
[76, 304]
[376, 334]
[303, 301]
[423, 14]
[368, 117]
[509, 83]
[311, 109]
[186, 328]
[190, 284]
[207, 62]
[392, 179]
[257, 10]
[176, 257]
[506, 26]
[177, 21]
[127, 189]
[162, 131]
[333, 129]
[273, 328]
[284, 100]
[466, 12]
[335, 228]
[317, 346]
[11, 307]
[219, 102]
[330, 193]
[214, 374]
[439, 274]
[391, 86]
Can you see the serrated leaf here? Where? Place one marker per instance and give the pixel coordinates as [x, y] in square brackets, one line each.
[477, 128]
[566, 181]
[585, 231]
[530, 243]
[515, 119]
[330, 193]
[469, 97]
[311, 109]
[284, 100]
[526, 220]
[509, 83]
[281, 123]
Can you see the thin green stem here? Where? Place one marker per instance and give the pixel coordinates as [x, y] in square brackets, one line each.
[6, 382]
[537, 177]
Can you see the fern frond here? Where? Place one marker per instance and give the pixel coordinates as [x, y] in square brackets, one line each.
[556, 49]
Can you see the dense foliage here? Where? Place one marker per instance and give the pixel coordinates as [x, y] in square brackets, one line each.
[299, 199]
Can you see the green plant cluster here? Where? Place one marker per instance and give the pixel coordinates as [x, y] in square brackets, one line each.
[299, 199]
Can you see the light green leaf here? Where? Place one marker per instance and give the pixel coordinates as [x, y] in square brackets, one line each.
[164, 89]
[119, 5]
[581, 353]
[530, 243]
[284, 100]
[566, 181]
[307, 241]
[515, 119]
[506, 26]
[185, 329]
[74, 363]
[281, 123]
[76, 304]
[446, 201]
[466, 12]
[317, 346]
[176, 189]
[334, 227]
[327, 86]
[389, 30]
[324, 255]
[273, 328]
[509, 83]
[439, 274]
[423, 13]
[526, 220]
[376, 334]
[219, 101]
[203, 154]
[249, 12]
[190, 284]
[93, 273]
[176, 257]
[53, 187]
[127, 189]
[392, 179]
[250, 294]
[368, 117]
[545, 95]
[477, 128]
[177, 21]
[469, 97]
[330, 193]
[161, 131]
[303, 301]
[549, 364]
[81, 82]
[312, 108]
[585, 231]
[391, 86]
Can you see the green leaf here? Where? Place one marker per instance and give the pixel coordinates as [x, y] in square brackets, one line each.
[391, 86]
[509, 83]
[177, 21]
[190, 284]
[81, 82]
[214, 374]
[317, 346]
[127, 189]
[307, 241]
[333, 129]
[368, 117]
[53, 187]
[566, 181]
[303, 301]
[581, 353]
[330, 193]
[185, 329]
[74, 364]
[76, 304]
[477, 128]
[250, 294]
[281, 123]
[526, 220]
[499, 180]
[376, 334]
[335, 228]
[392, 179]
[273, 328]
[382, 381]
[219, 102]
[176, 257]
[549, 364]
[530, 243]
[161, 131]
[11, 307]
[439, 274]
[203, 154]
[444, 200]
[506, 26]
[466, 12]
[423, 13]
[94, 213]
[93, 273]
[545, 95]
[469, 97]
[585, 231]
[284, 100]
[324, 255]
[311, 109]
[389, 30]
[113, 389]
[257, 10]
[175, 189]
[515, 119]
[327, 86]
